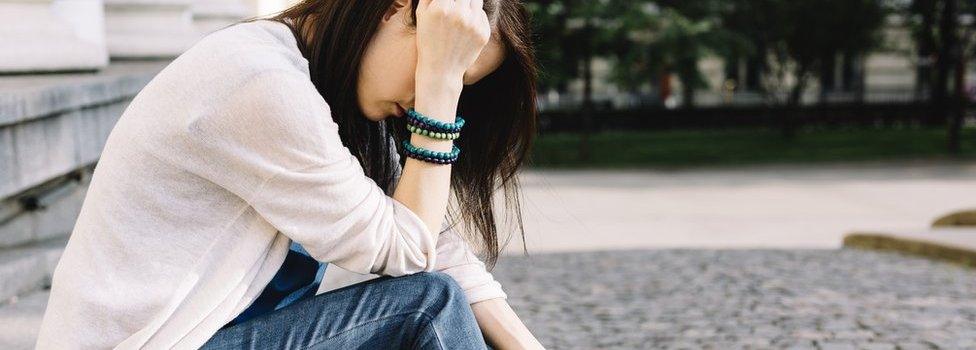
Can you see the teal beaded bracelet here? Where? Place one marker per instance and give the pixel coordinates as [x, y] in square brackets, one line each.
[431, 156]
[421, 121]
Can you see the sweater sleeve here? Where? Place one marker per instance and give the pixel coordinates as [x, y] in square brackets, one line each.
[455, 258]
[272, 141]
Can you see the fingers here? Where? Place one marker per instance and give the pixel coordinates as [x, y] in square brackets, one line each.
[478, 6]
[446, 4]
[481, 16]
[440, 4]
[466, 6]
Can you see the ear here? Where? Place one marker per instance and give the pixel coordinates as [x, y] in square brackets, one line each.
[396, 7]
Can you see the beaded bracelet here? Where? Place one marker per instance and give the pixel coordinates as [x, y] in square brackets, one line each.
[431, 156]
[424, 122]
[433, 134]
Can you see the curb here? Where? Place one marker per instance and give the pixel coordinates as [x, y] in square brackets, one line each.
[925, 248]
[959, 218]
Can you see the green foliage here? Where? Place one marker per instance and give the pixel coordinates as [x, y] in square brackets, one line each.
[561, 37]
[557, 60]
[654, 41]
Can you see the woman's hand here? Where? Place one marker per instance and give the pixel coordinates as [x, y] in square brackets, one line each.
[501, 327]
[450, 37]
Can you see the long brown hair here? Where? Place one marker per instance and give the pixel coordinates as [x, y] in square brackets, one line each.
[500, 109]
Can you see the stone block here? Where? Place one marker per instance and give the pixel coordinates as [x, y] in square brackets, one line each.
[93, 128]
[211, 15]
[51, 147]
[52, 125]
[149, 28]
[57, 218]
[29, 268]
[27, 97]
[52, 35]
[46, 148]
[17, 228]
[21, 321]
[8, 162]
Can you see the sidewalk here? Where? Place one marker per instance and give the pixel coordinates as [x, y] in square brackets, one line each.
[810, 206]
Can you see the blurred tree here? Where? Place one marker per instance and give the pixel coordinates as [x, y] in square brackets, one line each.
[571, 33]
[922, 17]
[956, 47]
[557, 56]
[802, 38]
[634, 23]
[652, 43]
[943, 45]
[763, 24]
[950, 58]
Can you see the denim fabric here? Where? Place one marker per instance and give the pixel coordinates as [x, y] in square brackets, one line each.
[426, 310]
[298, 278]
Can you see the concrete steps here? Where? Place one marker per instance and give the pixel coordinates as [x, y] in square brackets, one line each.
[25, 277]
[53, 124]
[52, 130]
[28, 268]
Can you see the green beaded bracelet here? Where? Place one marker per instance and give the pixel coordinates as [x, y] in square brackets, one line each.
[433, 134]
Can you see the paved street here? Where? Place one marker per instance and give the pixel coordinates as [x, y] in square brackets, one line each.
[730, 299]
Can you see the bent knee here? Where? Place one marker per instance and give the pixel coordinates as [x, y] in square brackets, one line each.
[438, 283]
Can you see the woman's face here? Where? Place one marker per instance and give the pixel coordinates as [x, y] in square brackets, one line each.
[386, 77]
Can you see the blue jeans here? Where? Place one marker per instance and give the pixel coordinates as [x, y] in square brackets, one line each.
[426, 310]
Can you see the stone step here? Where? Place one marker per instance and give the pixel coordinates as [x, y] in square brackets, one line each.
[53, 124]
[952, 244]
[28, 268]
[21, 320]
[53, 215]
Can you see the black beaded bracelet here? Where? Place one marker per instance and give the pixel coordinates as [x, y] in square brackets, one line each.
[429, 156]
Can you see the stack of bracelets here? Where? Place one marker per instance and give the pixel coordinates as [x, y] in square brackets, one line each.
[420, 124]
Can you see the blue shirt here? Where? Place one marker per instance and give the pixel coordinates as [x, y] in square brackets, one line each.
[298, 278]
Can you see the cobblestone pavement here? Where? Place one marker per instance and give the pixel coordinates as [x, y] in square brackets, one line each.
[729, 299]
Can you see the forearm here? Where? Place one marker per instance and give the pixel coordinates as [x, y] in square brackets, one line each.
[501, 327]
[425, 187]
[449, 39]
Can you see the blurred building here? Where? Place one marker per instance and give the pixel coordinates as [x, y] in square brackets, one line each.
[886, 75]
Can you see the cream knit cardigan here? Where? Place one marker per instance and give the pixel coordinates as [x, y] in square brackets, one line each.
[222, 160]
